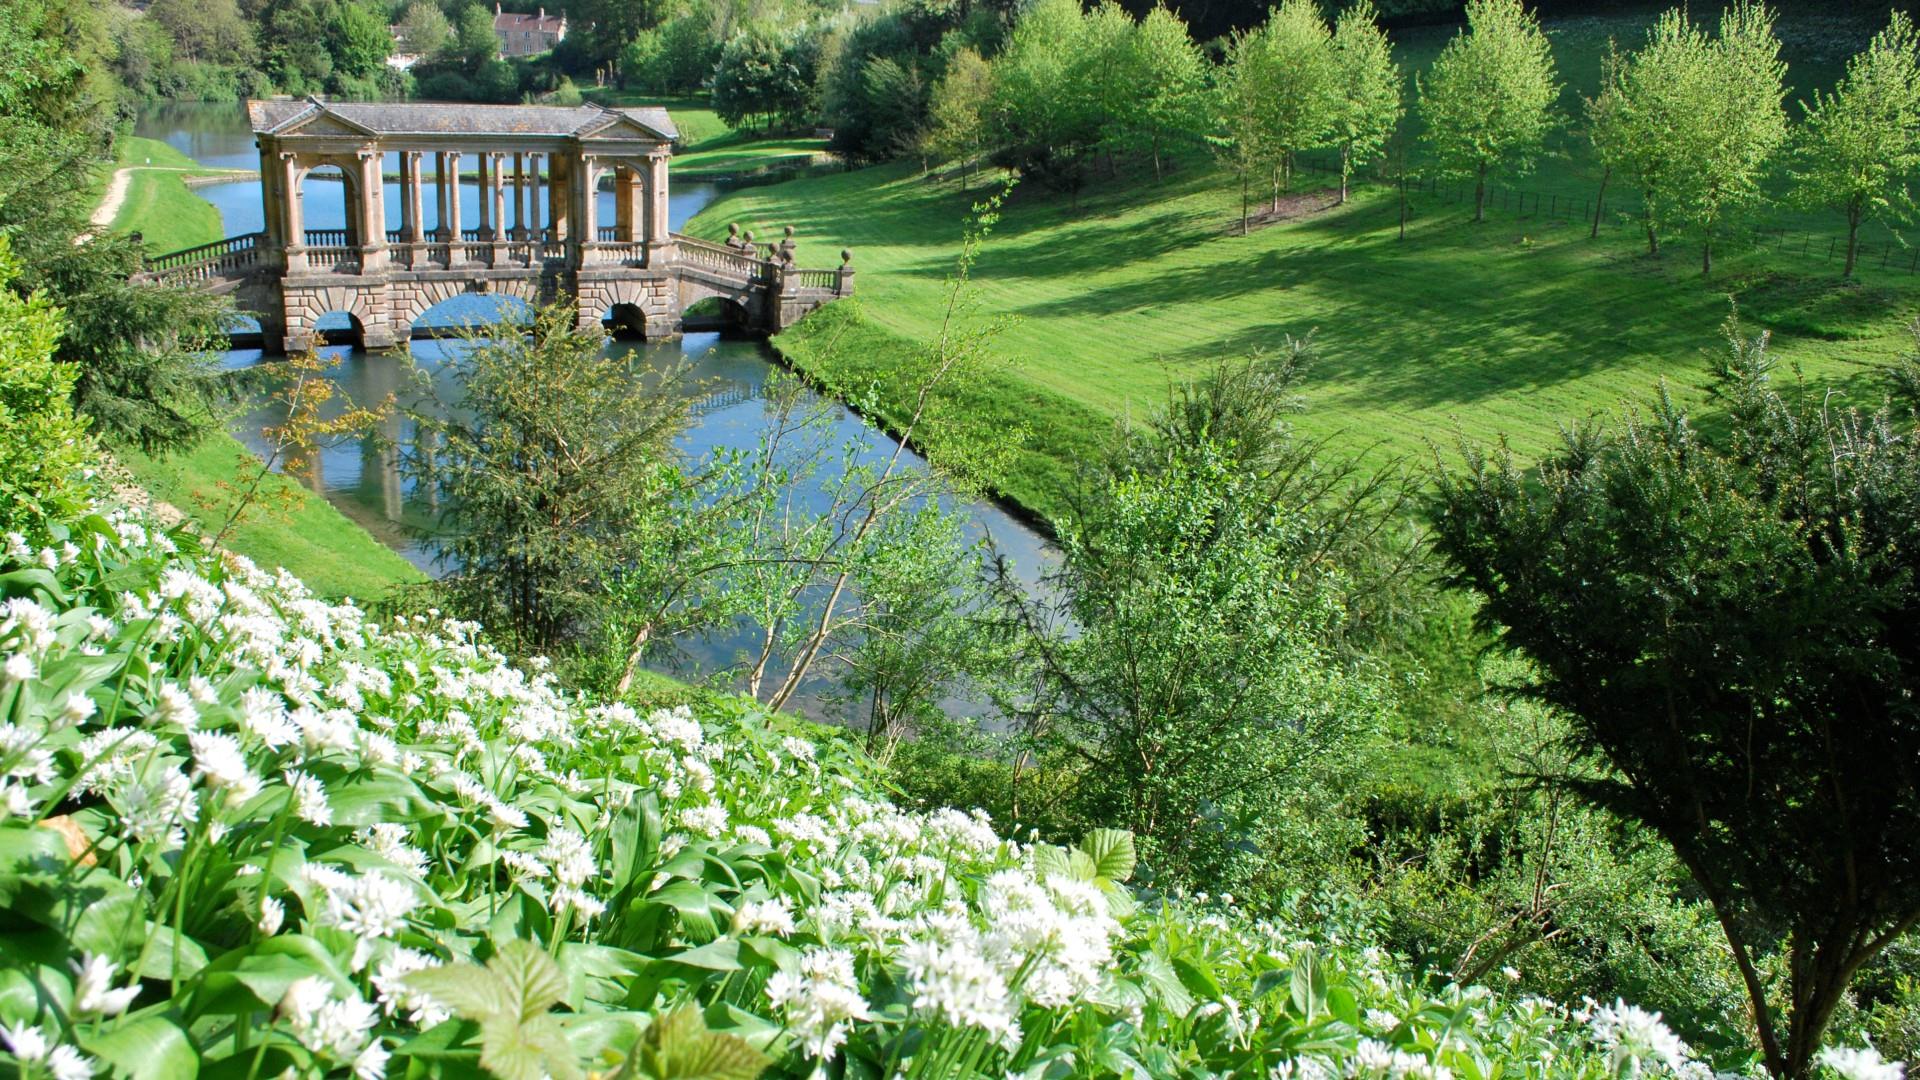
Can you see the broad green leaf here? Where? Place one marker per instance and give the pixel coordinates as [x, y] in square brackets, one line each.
[468, 989]
[514, 1051]
[679, 1046]
[1112, 853]
[1341, 1003]
[146, 1048]
[1049, 860]
[1163, 982]
[1309, 984]
[722, 955]
[535, 982]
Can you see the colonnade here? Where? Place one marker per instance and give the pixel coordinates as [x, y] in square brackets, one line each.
[534, 207]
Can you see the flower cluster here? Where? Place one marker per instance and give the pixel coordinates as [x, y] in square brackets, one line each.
[267, 805]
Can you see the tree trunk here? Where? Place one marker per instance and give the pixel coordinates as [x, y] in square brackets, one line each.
[1346, 166]
[1156, 158]
[1480, 194]
[1246, 227]
[634, 648]
[1403, 204]
[1706, 256]
[1600, 203]
[1853, 240]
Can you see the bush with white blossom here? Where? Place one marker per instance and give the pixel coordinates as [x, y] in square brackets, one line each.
[249, 833]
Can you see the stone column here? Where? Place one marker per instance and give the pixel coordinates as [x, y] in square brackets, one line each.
[499, 197]
[440, 197]
[536, 232]
[271, 216]
[519, 196]
[623, 203]
[585, 191]
[416, 226]
[659, 232]
[482, 220]
[295, 221]
[562, 179]
[372, 212]
[456, 251]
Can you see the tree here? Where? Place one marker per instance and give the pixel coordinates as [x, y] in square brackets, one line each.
[1189, 666]
[1169, 99]
[1738, 121]
[211, 31]
[1860, 143]
[1642, 122]
[1725, 622]
[474, 38]
[359, 40]
[1487, 102]
[1046, 123]
[956, 112]
[424, 30]
[765, 75]
[45, 452]
[554, 466]
[1368, 109]
[1293, 86]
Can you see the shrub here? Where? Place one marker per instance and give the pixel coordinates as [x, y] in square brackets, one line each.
[44, 448]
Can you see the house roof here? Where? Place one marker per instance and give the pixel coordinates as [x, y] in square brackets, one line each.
[373, 118]
[543, 22]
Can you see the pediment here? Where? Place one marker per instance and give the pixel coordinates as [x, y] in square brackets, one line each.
[323, 123]
[619, 127]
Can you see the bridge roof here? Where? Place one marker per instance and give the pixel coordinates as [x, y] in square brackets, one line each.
[275, 117]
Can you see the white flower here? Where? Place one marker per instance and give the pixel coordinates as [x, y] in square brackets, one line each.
[371, 1063]
[370, 906]
[765, 917]
[820, 999]
[323, 1023]
[67, 1063]
[218, 757]
[272, 915]
[29, 1044]
[18, 668]
[1635, 1038]
[390, 985]
[1860, 1063]
[175, 706]
[76, 708]
[309, 798]
[93, 990]
[709, 819]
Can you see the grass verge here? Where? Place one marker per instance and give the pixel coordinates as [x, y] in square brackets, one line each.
[158, 203]
[293, 527]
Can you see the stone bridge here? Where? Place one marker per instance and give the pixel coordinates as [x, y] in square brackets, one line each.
[538, 234]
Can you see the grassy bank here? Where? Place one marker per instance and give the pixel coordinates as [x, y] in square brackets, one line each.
[1509, 328]
[289, 527]
[158, 203]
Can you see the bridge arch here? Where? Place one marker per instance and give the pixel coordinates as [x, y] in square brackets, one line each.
[306, 307]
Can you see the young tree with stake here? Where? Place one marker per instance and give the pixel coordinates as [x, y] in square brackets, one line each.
[1488, 99]
[1368, 108]
[1860, 143]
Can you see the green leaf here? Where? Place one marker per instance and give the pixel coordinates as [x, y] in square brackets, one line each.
[1309, 984]
[527, 1051]
[1158, 976]
[1049, 860]
[146, 1048]
[679, 1046]
[722, 955]
[536, 983]
[1341, 1003]
[1112, 853]
[468, 989]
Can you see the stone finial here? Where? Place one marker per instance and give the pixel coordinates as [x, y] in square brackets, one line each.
[789, 232]
[749, 236]
[846, 256]
[733, 228]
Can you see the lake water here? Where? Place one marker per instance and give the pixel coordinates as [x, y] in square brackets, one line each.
[364, 478]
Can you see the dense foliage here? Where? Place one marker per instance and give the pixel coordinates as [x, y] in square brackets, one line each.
[1723, 620]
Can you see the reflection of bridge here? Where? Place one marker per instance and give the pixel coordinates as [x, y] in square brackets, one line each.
[538, 242]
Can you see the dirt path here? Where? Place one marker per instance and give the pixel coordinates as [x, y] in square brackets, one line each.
[117, 188]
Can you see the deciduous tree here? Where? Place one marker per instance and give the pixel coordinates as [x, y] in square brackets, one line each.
[1368, 105]
[1860, 143]
[1487, 102]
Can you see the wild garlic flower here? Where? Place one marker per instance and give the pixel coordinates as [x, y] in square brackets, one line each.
[773, 916]
[1859, 1063]
[93, 989]
[1636, 1040]
[819, 1000]
[309, 798]
[335, 1026]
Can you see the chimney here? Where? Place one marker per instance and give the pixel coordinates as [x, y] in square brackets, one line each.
[496, 8]
[543, 14]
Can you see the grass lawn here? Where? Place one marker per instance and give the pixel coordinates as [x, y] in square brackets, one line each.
[290, 527]
[158, 202]
[1508, 328]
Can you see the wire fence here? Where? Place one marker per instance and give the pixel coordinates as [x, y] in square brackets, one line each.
[1625, 209]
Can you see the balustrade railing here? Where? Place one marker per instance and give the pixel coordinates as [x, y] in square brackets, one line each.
[725, 260]
[622, 253]
[815, 279]
[207, 260]
[327, 238]
[333, 258]
[607, 232]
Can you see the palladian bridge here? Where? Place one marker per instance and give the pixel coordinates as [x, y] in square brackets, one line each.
[538, 236]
